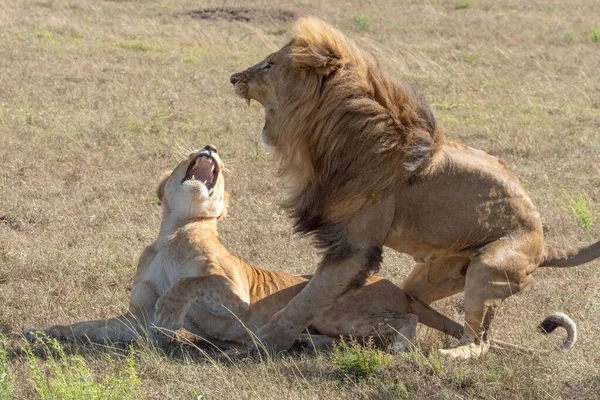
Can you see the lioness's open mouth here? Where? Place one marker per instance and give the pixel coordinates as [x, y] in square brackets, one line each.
[204, 169]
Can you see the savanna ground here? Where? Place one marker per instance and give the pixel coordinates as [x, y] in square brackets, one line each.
[98, 98]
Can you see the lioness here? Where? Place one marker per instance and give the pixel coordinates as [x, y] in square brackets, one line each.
[187, 278]
[368, 166]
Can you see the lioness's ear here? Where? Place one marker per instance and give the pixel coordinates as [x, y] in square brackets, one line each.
[317, 46]
[160, 190]
[225, 206]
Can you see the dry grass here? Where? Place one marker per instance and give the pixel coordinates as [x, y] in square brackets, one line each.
[97, 98]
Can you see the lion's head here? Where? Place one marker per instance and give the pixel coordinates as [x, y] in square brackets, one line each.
[344, 132]
[195, 188]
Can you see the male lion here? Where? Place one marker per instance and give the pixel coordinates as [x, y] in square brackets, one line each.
[187, 278]
[368, 166]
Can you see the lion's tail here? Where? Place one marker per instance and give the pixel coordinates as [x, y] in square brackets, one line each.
[436, 320]
[556, 320]
[569, 258]
[548, 325]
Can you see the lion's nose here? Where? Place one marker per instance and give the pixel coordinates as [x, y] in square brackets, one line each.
[210, 148]
[235, 78]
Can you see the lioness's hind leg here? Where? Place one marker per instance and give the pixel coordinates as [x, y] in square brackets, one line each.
[317, 342]
[395, 333]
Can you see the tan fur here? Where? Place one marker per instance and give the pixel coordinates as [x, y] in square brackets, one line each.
[368, 166]
[187, 278]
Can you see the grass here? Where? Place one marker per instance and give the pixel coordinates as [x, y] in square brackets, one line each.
[596, 34]
[362, 21]
[580, 209]
[137, 45]
[358, 359]
[69, 377]
[87, 126]
[463, 4]
[6, 379]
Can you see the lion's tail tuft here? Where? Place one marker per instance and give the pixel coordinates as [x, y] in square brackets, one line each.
[558, 319]
[548, 325]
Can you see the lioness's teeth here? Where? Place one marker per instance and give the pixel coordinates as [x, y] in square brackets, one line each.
[248, 102]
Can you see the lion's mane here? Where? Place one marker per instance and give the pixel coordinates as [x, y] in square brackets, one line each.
[346, 133]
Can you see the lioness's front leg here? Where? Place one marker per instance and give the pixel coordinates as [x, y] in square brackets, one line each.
[217, 293]
[353, 252]
[121, 329]
[125, 328]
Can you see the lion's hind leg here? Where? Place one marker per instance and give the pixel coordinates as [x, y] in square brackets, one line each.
[497, 272]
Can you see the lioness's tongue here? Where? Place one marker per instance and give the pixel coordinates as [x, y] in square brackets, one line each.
[202, 171]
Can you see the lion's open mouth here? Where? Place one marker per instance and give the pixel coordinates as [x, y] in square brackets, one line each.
[204, 169]
[241, 89]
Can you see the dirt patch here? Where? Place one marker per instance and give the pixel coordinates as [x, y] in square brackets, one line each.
[245, 14]
[16, 224]
[12, 223]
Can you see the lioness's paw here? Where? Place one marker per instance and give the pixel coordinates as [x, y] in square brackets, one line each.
[161, 337]
[168, 314]
[400, 346]
[466, 351]
[168, 322]
[56, 332]
[32, 334]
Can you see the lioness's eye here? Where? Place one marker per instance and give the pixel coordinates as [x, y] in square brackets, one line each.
[265, 65]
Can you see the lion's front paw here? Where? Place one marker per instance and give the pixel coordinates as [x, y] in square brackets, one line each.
[274, 338]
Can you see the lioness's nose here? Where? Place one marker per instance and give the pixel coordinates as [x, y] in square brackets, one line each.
[235, 78]
[210, 148]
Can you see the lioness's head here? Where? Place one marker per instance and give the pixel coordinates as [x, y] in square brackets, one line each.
[195, 188]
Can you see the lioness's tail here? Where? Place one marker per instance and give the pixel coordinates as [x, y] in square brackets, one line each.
[569, 258]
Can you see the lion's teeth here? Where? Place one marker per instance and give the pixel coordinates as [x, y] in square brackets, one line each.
[248, 102]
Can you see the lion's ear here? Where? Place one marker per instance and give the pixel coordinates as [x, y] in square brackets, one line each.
[225, 206]
[160, 190]
[317, 46]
